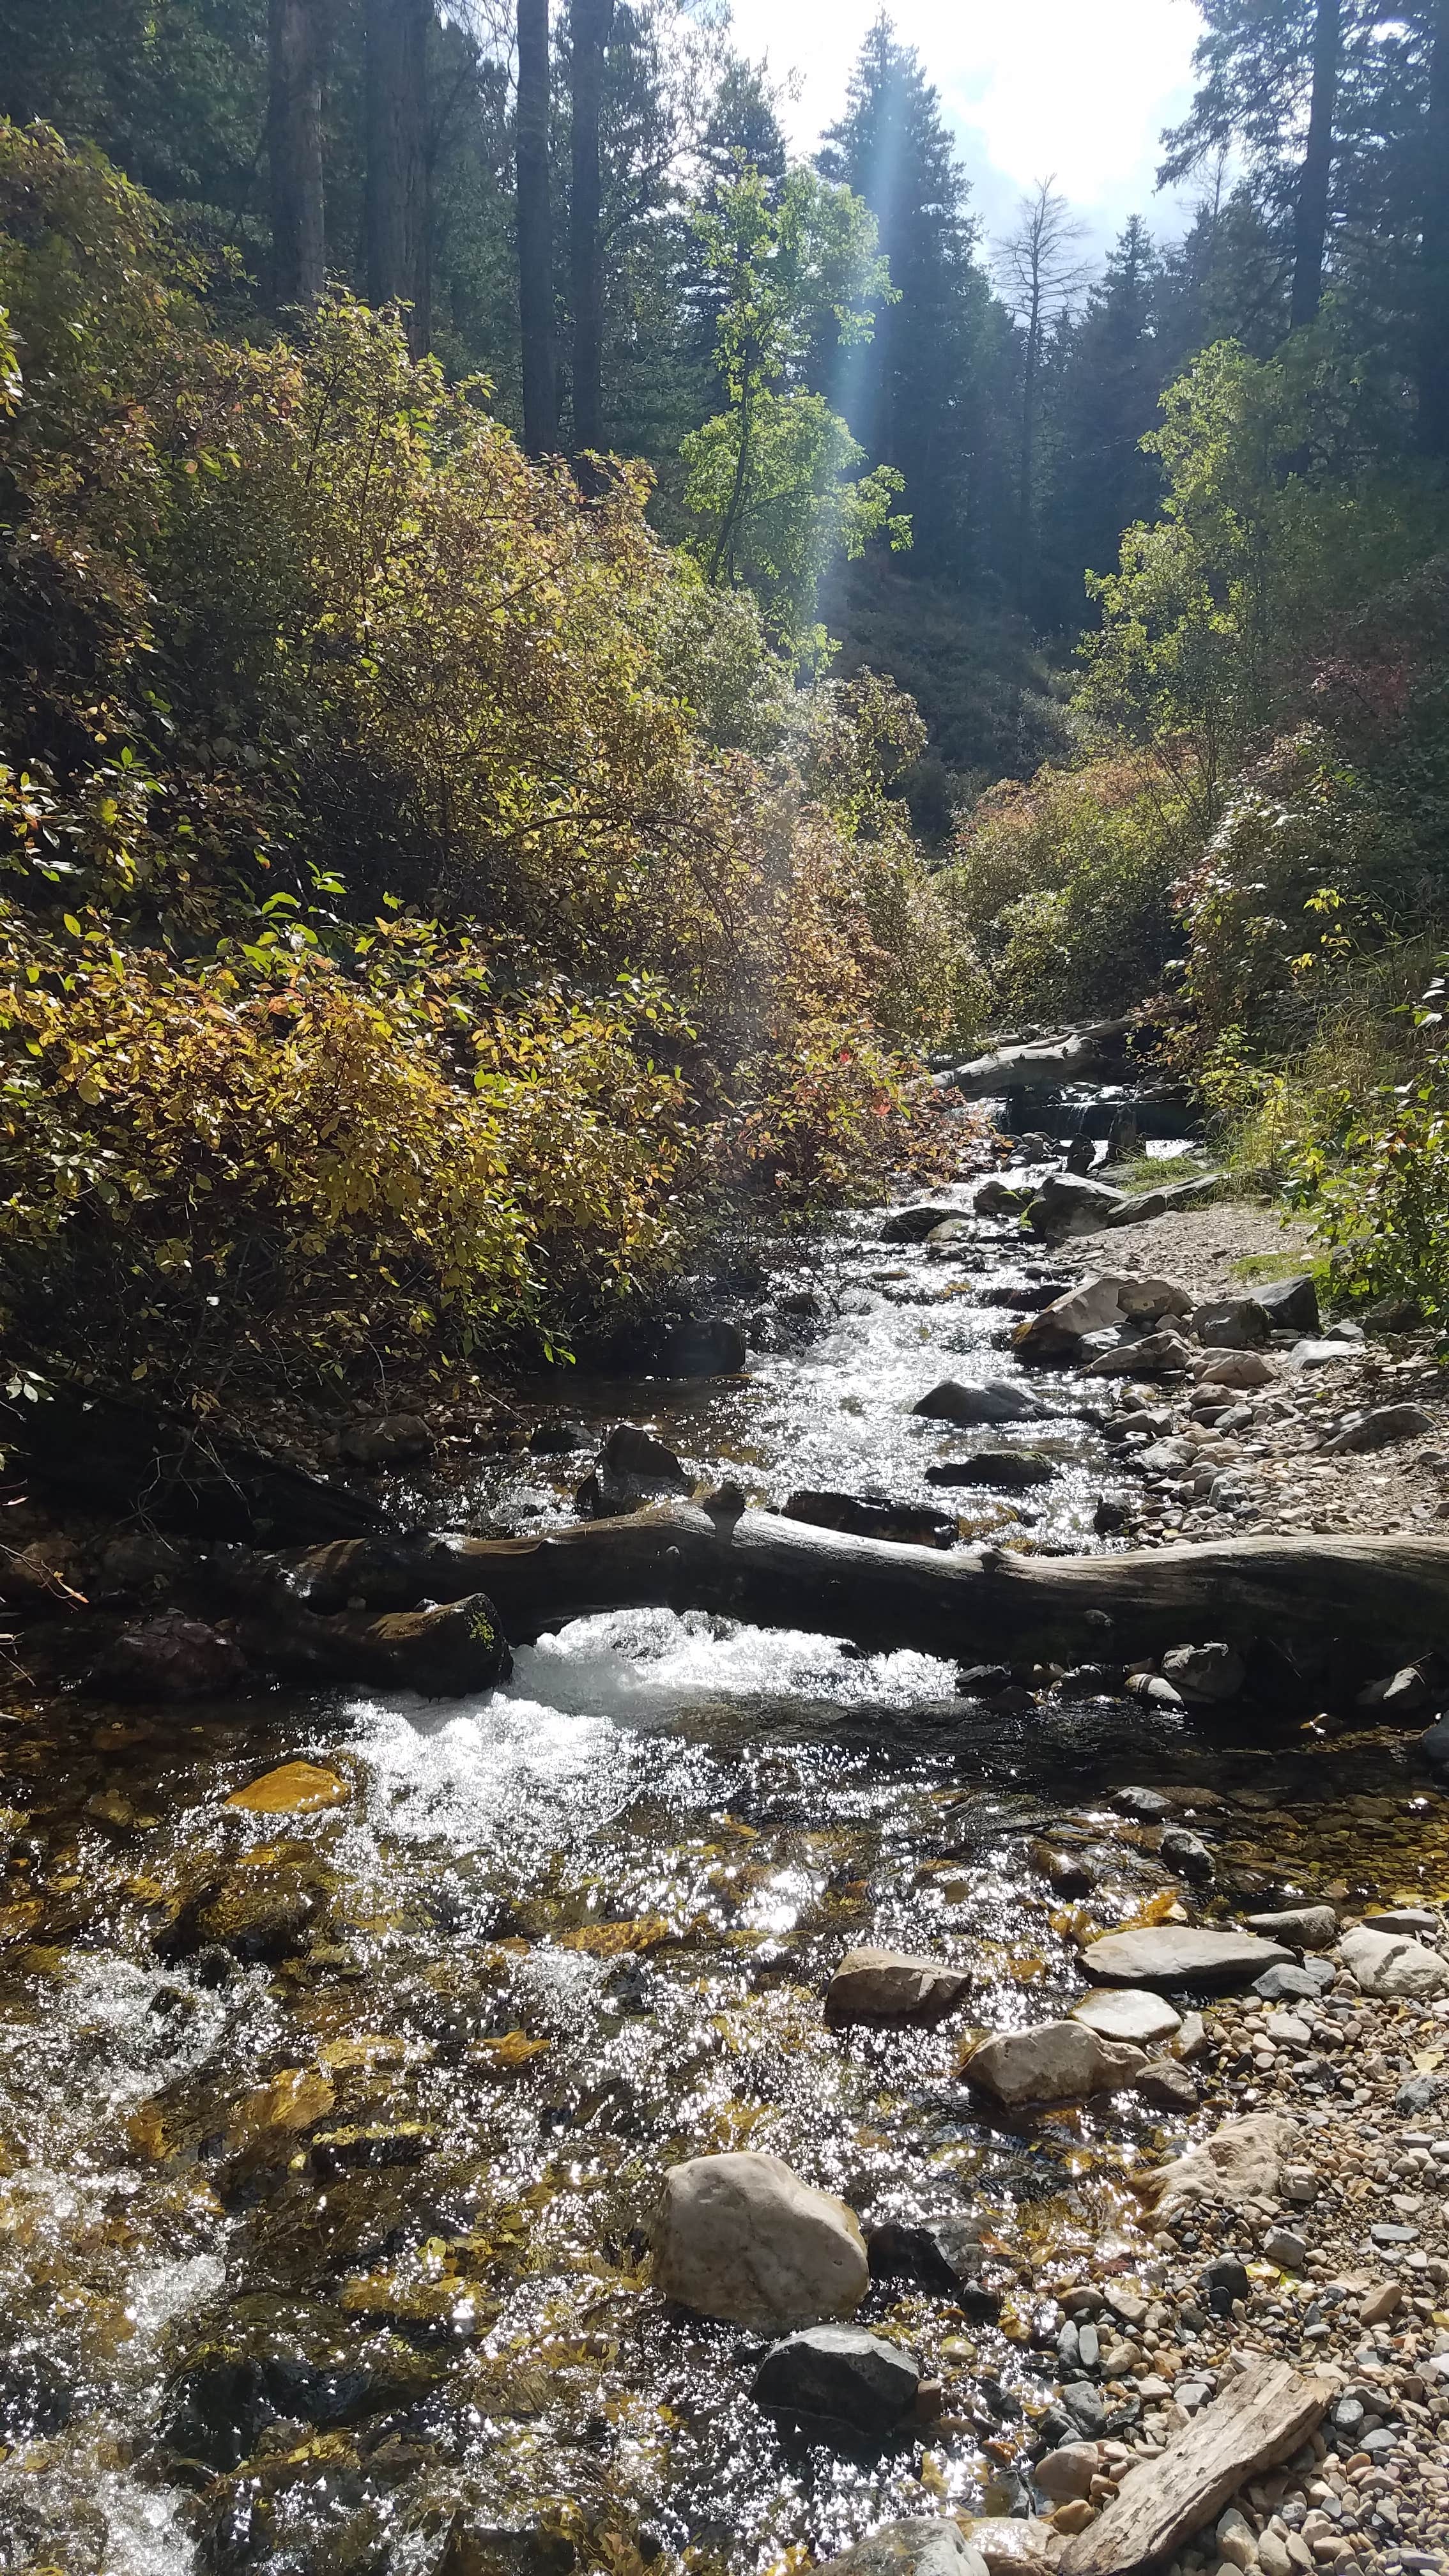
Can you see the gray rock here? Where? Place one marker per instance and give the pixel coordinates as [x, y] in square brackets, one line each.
[1400, 1694]
[1434, 1743]
[1206, 1673]
[1345, 1330]
[1416, 1920]
[1292, 1984]
[1087, 2408]
[1284, 2247]
[1236, 1369]
[1128, 2013]
[740, 2236]
[1232, 1324]
[1380, 1429]
[890, 1985]
[839, 2376]
[1068, 2472]
[1060, 2061]
[1307, 1927]
[994, 1198]
[1180, 1954]
[1167, 2084]
[1419, 2093]
[1391, 1965]
[1145, 1806]
[996, 1401]
[1318, 1353]
[1387, 2234]
[1186, 1854]
[1068, 1205]
[632, 1467]
[1159, 1354]
[1167, 1458]
[913, 1224]
[918, 2547]
[1000, 1471]
[1289, 1304]
[952, 1229]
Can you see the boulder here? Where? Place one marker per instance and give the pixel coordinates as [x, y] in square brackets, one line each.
[1417, 1920]
[952, 1229]
[940, 2254]
[1128, 2013]
[1167, 1457]
[1291, 1305]
[838, 2379]
[1167, 2085]
[1315, 1352]
[556, 1439]
[451, 1651]
[1307, 1927]
[996, 1401]
[742, 2237]
[1147, 1301]
[1205, 1674]
[1400, 1694]
[1434, 1744]
[171, 1658]
[1067, 1205]
[918, 2547]
[1054, 1332]
[890, 1985]
[862, 1516]
[385, 1440]
[1241, 2162]
[702, 1346]
[632, 1468]
[999, 1198]
[1232, 1324]
[1393, 1966]
[1000, 1471]
[1180, 1954]
[1237, 1369]
[1061, 2061]
[913, 1224]
[1186, 1854]
[1380, 1429]
[1159, 1354]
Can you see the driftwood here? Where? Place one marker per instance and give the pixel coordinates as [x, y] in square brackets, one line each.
[1384, 1599]
[1094, 1054]
[1262, 2415]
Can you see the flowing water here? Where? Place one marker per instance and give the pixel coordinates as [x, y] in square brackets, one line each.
[328, 2140]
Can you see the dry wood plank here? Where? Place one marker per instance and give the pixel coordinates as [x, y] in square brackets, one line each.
[1263, 2415]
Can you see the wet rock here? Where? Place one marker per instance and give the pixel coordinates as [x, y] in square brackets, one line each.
[1206, 1674]
[1380, 1429]
[996, 1401]
[172, 1658]
[836, 2380]
[1109, 1516]
[913, 1224]
[255, 1914]
[1232, 1324]
[274, 2360]
[1157, 1354]
[1068, 1205]
[1144, 1806]
[1399, 1695]
[918, 2547]
[1061, 2061]
[1056, 1330]
[448, 1652]
[294, 1789]
[999, 1471]
[952, 1229]
[1128, 2013]
[1237, 1369]
[557, 1439]
[890, 1985]
[1186, 1854]
[1241, 2162]
[1168, 2085]
[1011, 2544]
[862, 1516]
[35, 2397]
[1180, 1954]
[477, 2548]
[1305, 1927]
[1391, 1965]
[1067, 2473]
[1434, 1744]
[741, 2237]
[384, 1441]
[1065, 1872]
[941, 2254]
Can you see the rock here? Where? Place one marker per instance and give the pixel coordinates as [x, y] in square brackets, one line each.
[1232, 1324]
[1415, 1919]
[1237, 1368]
[386, 1440]
[1209, 1674]
[474, 2548]
[839, 2377]
[632, 1467]
[702, 1346]
[940, 2254]
[862, 1516]
[1223, 2282]
[1086, 2406]
[1159, 1354]
[889, 1985]
[1064, 1871]
[1167, 2084]
[1061, 2061]
[1434, 1744]
[1390, 1965]
[296, 2099]
[1189, 2042]
[36, 2398]
[1167, 1458]
[1180, 1954]
[1011, 2544]
[1291, 1305]
[952, 1229]
[1291, 1984]
[1186, 1854]
[996, 1401]
[1240, 2162]
[1317, 1352]
[1110, 1516]
[451, 1651]
[999, 1471]
[1055, 1331]
[924, 2547]
[1305, 1927]
[557, 1439]
[1128, 2013]
[294, 1789]
[1383, 2301]
[913, 1224]
[1237, 2541]
[1398, 1695]
[1284, 2247]
[172, 1658]
[1067, 1205]
[1265, 2413]
[276, 2360]
[1067, 2473]
[1144, 1806]
[741, 2237]
[1380, 1429]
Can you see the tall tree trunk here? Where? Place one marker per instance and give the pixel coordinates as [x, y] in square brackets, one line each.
[397, 59]
[297, 32]
[1310, 214]
[535, 234]
[1434, 252]
[589, 25]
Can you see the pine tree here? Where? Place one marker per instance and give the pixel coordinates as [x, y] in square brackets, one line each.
[1101, 407]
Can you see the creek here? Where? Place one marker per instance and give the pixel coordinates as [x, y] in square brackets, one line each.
[329, 2139]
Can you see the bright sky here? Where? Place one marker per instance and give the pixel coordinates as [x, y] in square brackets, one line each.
[1081, 88]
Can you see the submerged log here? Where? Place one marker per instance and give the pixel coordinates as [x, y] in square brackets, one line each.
[1388, 1597]
[1095, 1054]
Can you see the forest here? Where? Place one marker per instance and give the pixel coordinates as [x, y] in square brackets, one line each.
[556, 651]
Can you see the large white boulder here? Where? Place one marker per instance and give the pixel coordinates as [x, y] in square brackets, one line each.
[1391, 1964]
[742, 2237]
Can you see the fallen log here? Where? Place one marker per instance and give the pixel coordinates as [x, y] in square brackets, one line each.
[1384, 1598]
[1095, 1054]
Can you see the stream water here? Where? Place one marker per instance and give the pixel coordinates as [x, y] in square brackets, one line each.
[328, 2140]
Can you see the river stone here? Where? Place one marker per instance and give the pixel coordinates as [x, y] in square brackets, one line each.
[1242, 2161]
[913, 1224]
[1380, 1429]
[999, 1198]
[891, 1985]
[632, 1467]
[1159, 1354]
[1232, 1324]
[1295, 1984]
[871, 1516]
[742, 2237]
[1314, 1352]
[1237, 1369]
[1434, 1744]
[1000, 1471]
[1068, 2473]
[1205, 1673]
[1391, 1965]
[171, 1657]
[1186, 1854]
[386, 1440]
[1054, 1332]
[1181, 1954]
[1061, 2061]
[1396, 1695]
[477, 2548]
[293, 1789]
[1307, 1927]
[1414, 1919]
[1012, 2544]
[996, 1401]
[842, 2376]
[1291, 1305]
[1130, 2013]
[919, 2547]
[1067, 1205]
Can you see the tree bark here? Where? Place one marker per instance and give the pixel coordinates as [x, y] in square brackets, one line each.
[396, 77]
[1434, 249]
[1387, 1597]
[1310, 214]
[298, 32]
[535, 233]
[589, 24]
